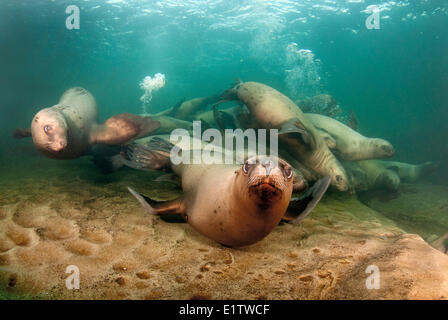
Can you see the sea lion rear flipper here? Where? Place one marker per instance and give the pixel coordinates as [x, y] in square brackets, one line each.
[172, 207]
[295, 126]
[20, 133]
[299, 208]
[139, 157]
[123, 128]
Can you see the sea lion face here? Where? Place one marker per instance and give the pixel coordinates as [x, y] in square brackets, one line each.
[49, 132]
[339, 178]
[268, 179]
[383, 147]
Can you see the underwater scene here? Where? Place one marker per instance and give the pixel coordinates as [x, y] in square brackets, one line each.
[223, 149]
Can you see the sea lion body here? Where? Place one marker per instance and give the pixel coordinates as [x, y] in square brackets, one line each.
[272, 110]
[248, 201]
[70, 128]
[188, 109]
[349, 144]
[231, 216]
[168, 124]
[409, 172]
[378, 176]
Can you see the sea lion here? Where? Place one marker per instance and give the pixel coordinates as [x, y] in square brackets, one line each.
[409, 172]
[70, 128]
[378, 176]
[248, 200]
[273, 110]
[350, 145]
[168, 124]
[187, 110]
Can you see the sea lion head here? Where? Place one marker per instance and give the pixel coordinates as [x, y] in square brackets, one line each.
[49, 131]
[383, 148]
[268, 180]
[339, 178]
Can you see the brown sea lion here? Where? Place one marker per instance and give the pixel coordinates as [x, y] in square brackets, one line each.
[168, 124]
[248, 200]
[188, 109]
[378, 176]
[298, 136]
[409, 172]
[69, 129]
[350, 145]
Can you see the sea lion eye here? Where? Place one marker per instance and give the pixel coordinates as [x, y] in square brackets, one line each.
[47, 128]
[338, 178]
[288, 172]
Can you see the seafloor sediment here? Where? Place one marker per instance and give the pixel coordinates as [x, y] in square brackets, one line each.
[59, 213]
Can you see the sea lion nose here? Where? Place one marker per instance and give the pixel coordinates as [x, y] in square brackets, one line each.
[268, 165]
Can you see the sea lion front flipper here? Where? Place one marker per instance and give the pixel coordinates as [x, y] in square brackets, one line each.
[295, 126]
[123, 128]
[20, 133]
[300, 207]
[172, 207]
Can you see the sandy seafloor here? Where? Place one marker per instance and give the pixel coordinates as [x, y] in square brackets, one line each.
[59, 213]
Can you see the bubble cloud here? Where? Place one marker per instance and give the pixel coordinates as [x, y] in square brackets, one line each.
[150, 84]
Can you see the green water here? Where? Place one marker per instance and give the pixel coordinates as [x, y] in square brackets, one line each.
[394, 78]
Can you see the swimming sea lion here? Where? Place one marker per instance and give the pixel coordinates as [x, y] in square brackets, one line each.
[248, 200]
[378, 176]
[69, 129]
[409, 172]
[299, 137]
[187, 110]
[168, 124]
[350, 145]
